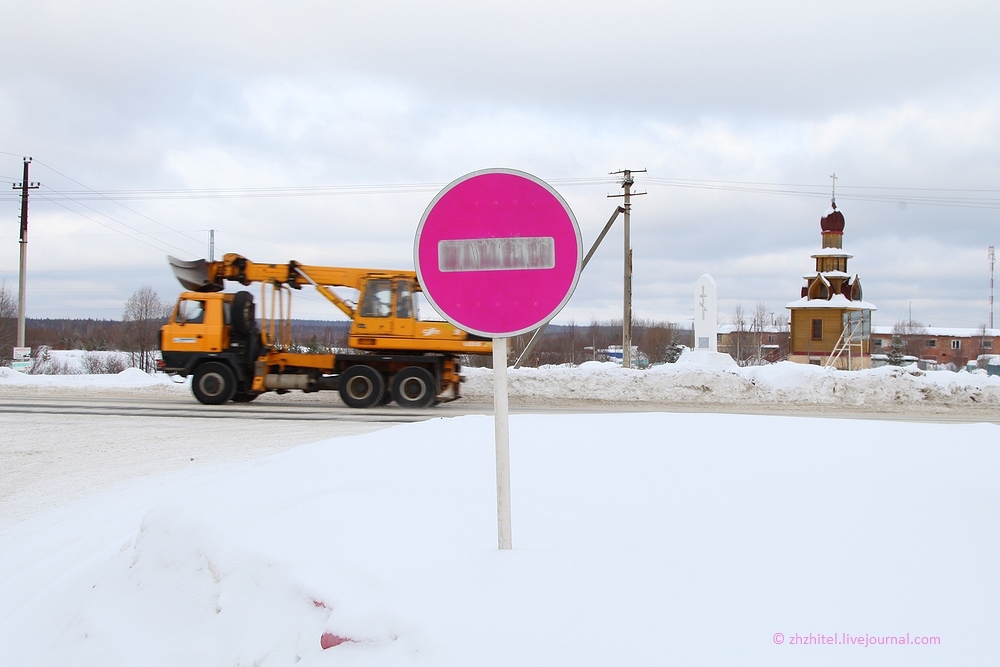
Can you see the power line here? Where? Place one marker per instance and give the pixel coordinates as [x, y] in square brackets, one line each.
[123, 224]
[118, 231]
[143, 215]
[927, 196]
[283, 191]
[847, 192]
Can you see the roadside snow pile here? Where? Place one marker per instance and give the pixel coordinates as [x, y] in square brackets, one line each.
[128, 378]
[715, 379]
[697, 377]
[694, 540]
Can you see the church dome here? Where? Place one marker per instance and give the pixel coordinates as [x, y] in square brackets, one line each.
[833, 221]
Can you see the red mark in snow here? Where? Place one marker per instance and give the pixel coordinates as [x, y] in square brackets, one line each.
[320, 604]
[329, 640]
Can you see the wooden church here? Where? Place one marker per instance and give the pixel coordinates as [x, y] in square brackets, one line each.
[831, 322]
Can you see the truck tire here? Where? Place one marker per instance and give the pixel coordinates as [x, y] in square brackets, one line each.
[414, 387]
[361, 387]
[243, 313]
[214, 383]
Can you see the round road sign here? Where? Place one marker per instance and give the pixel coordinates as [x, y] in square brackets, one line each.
[498, 252]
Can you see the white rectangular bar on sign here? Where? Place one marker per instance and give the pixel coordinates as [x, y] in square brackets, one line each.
[502, 254]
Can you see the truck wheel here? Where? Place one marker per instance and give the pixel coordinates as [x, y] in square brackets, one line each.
[414, 387]
[361, 387]
[243, 313]
[214, 383]
[245, 396]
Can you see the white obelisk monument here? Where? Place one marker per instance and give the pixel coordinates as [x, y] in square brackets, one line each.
[706, 315]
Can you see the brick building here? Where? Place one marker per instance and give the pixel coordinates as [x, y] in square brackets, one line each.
[939, 345]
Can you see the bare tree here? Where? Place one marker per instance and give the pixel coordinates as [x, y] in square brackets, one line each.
[739, 333]
[984, 346]
[656, 341]
[8, 323]
[758, 323]
[912, 335]
[143, 316]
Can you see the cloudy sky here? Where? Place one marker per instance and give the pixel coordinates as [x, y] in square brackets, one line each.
[320, 131]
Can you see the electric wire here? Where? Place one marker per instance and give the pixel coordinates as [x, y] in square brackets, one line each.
[843, 192]
[143, 215]
[84, 215]
[283, 191]
[89, 208]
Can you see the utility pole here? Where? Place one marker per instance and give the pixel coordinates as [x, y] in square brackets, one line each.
[992, 259]
[211, 245]
[24, 186]
[627, 182]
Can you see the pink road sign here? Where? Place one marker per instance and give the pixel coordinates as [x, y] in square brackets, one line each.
[498, 252]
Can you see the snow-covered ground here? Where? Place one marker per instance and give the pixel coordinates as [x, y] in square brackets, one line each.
[645, 538]
[130, 378]
[638, 539]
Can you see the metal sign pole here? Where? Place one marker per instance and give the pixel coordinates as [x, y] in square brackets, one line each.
[502, 438]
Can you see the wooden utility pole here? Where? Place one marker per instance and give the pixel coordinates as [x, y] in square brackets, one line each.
[24, 186]
[627, 182]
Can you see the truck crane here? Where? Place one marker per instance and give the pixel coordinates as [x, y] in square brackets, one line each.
[232, 354]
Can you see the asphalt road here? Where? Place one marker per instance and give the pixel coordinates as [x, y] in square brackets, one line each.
[327, 407]
[183, 406]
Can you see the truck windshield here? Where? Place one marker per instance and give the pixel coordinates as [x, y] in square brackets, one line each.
[378, 299]
[190, 311]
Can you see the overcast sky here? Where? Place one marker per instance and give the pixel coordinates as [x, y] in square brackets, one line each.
[728, 105]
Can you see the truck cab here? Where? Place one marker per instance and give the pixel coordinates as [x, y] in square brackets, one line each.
[199, 323]
[202, 329]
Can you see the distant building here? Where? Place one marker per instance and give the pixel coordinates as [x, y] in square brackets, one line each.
[939, 346]
[769, 344]
[831, 322]
[614, 353]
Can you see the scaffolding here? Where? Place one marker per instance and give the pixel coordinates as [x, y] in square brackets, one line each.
[856, 332]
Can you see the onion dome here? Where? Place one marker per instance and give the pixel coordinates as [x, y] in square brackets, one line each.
[833, 221]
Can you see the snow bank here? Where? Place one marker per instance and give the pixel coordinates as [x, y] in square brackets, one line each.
[713, 379]
[129, 378]
[698, 377]
[638, 539]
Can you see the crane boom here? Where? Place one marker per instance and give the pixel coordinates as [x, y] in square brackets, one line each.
[204, 276]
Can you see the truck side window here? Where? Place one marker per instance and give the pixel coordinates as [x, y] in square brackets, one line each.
[378, 299]
[190, 311]
[404, 299]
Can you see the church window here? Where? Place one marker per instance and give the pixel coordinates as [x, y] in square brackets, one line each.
[817, 329]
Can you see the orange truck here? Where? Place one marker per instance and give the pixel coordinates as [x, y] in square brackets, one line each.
[217, 338]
